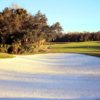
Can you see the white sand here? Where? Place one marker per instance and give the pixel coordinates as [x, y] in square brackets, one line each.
[57, 76]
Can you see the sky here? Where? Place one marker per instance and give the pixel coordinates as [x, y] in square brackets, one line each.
[73, 15]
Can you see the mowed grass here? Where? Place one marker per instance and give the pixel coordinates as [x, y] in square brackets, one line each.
[90, 48]
[5, 55]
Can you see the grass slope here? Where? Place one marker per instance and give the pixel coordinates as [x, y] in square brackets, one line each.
[90, 48]
[5, 55]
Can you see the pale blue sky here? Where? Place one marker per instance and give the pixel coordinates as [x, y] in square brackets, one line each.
[74, 15]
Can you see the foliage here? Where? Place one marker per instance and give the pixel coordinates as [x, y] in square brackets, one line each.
[22, 32]
[4, 48]
[79, 37]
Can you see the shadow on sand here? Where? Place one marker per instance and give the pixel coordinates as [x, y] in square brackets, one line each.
[29, 99]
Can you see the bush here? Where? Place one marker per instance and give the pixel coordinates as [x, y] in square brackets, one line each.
[4, 48]
[16, 48]
[26, 49]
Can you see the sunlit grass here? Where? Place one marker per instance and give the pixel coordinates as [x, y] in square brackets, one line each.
[5, 55]
[91, 48]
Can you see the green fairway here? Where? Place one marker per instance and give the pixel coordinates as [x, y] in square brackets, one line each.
[90, 48]
[5, 55]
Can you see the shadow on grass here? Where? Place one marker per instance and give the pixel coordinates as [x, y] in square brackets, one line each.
[82, 47]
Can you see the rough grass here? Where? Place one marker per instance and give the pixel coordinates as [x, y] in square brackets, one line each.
[5, 55]
[90, 48]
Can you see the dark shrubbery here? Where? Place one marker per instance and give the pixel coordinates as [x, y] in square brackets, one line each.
[79, 37]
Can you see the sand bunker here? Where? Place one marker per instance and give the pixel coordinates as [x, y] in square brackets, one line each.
[50, 76]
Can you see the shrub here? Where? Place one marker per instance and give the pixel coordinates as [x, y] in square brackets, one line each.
[4, 48]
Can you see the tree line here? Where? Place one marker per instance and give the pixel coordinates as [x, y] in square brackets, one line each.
[22, 32]
[79, 37]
